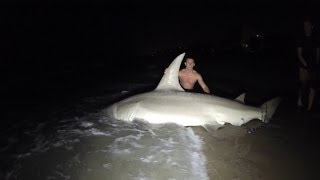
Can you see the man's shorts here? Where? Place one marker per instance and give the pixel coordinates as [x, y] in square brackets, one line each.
[312, 78]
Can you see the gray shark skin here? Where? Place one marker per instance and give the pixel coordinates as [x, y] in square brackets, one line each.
[169, 103]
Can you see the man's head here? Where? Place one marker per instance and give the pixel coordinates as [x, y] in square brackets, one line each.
[189, 63]
[307, 26]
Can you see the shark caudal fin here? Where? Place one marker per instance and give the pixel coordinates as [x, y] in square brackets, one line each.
[170, 80]
[269, 108]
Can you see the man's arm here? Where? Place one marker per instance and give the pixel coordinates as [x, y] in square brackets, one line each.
[203, 84]
[301, 59]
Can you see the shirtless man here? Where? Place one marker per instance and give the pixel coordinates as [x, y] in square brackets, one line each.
[188, 77]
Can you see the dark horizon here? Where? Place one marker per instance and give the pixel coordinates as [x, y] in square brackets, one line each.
[44, 39]
[102, 28]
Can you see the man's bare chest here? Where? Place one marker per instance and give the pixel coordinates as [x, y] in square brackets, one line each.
[188, 77]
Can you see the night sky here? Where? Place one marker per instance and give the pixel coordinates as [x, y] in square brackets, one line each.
[43, 38]
[50, 28]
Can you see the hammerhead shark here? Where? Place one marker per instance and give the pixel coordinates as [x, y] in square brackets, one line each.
[169, 103]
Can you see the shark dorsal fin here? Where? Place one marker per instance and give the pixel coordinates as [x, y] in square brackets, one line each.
[170, 80]
[241, 98]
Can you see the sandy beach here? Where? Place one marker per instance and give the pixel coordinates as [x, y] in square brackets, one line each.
[277, 151]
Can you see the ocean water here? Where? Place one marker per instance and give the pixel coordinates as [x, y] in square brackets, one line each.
[94, 146]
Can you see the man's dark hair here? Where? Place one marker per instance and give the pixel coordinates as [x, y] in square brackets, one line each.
[189, 56]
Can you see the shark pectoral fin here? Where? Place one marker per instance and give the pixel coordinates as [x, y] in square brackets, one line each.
[241, 98]
[212, 127]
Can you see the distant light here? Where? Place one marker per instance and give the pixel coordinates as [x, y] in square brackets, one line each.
[259, 36]
[245, 45]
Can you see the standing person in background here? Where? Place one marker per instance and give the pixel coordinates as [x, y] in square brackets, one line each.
[308, 55]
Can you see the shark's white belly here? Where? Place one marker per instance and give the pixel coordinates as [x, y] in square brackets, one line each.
[187, 109]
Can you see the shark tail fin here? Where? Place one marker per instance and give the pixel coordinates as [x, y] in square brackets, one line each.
[269, 108]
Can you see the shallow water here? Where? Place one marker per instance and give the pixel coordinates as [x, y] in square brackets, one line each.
[94, 146]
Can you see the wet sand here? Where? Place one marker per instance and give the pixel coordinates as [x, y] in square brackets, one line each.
[284, 151]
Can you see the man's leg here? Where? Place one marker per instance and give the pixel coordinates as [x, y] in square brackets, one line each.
[303, 89]
[311, 98]
[313, 84]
